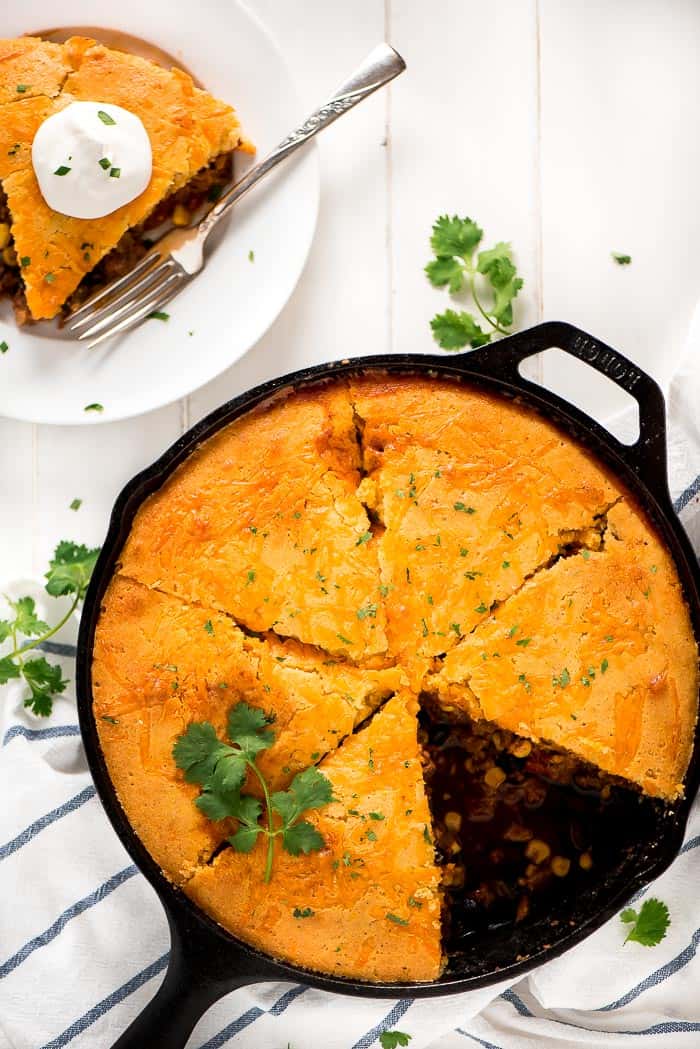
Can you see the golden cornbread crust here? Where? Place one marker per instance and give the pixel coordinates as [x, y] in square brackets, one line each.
[187, 128]
[334, 555]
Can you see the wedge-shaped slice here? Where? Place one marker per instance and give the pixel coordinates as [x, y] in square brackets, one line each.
[368, 905]
[187, 128]
[595, 655]
[160, 664]
[475, 494]
[263, 522]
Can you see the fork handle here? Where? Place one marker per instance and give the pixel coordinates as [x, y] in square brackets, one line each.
[380, 66]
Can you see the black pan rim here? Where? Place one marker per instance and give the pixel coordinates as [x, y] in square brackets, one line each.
[470, 368]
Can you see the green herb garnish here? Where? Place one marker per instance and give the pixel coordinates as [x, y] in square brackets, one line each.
[220, 769]
[303, 912]
[62, 170]
[21, 88]
[69, 574]
[93, 407]
[393, 1039]
[4, 347]
[454, 241]
[364, 538]
[105, 117]
[75, 504]
[396, 920]
[649, 925]
[621, 260]
[158, 315]
[104, 163]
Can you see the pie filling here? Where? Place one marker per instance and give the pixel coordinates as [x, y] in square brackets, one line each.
[461, 619]
[178, 208]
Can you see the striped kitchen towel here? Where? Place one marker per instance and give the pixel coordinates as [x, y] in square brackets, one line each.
[84, 943]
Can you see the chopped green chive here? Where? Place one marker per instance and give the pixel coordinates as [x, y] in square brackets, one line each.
[76, 504]
[93, 408]
[105, 117]
[115, 172]
[21, 88]
[25, 261]
[464, 509]
[621, 260]
[158, 315]
[50, 278]
[396, 920]
[62, 170]
[364, 538]
[104, 163]
[251, 256]
[3, 347]
[303, 912]
[208, 626]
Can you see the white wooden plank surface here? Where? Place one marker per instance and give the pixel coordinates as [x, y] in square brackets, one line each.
[464, 140]
[570, 129]
[620, 165]
[340, 305]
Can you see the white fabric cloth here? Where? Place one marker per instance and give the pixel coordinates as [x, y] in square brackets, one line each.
[83, 939]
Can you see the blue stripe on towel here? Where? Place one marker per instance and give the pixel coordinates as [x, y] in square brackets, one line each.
[52, 732]
[55, 648]
[657, 977]
[516, 1002]
[251, 1016]
[685, 497]
[56, 814]
[71, 912]
[235, 1027]
[89, 1018]
[479, 1041]
[394, 1014]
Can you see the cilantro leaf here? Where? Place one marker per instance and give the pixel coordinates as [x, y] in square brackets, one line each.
[455, 236]
[302, 837]
[245, 838]
[26, 620]
[197, 752]
[453, 331]
[8, 670]
[45, 681]
[393, 1039]
[649, 925]
[497, 266]
[445, 271]
[216, 806]
[248, 728]
[70, 569]
[229, 772]
[221, 771]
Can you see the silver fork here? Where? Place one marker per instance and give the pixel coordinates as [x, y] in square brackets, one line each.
[179, 254]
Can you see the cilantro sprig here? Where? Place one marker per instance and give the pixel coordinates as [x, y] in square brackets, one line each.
[454, 242]
[69, 574]
[648, 926]
[393, 1039]
[221, 768]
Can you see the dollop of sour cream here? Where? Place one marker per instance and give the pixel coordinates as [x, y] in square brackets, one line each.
[91, 158]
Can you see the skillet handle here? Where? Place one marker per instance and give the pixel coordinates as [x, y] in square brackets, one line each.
[197, 976]
[647, 456]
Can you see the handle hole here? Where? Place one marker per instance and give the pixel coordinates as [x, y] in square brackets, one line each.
[587, 389]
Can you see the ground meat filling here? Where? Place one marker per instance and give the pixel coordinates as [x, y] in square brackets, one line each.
[517, 826]
[177, 209]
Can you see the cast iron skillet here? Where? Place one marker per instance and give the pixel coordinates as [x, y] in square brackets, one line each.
[206, 962]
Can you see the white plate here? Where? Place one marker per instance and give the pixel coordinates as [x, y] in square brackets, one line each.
[49, 379]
